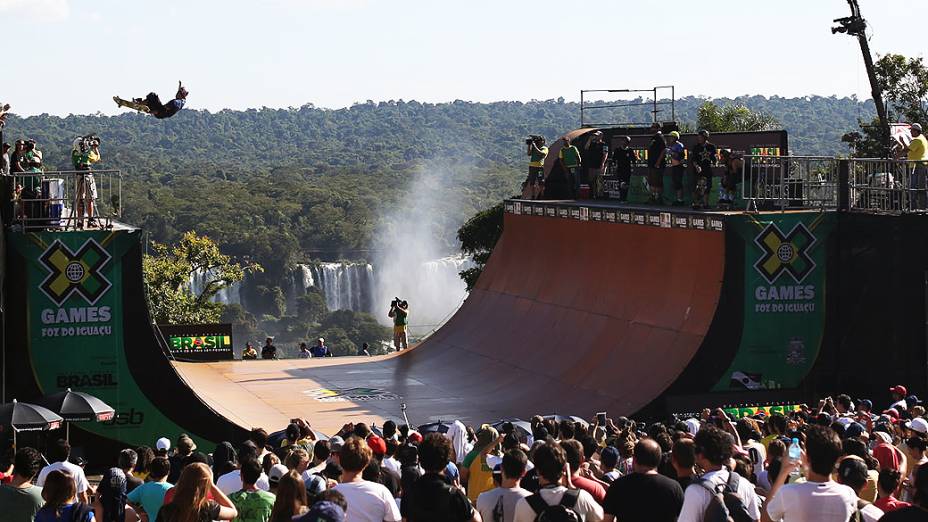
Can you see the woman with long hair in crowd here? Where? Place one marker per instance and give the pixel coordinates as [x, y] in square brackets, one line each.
[197, 499]
[291, 498]
[61, 505]
[143, 465]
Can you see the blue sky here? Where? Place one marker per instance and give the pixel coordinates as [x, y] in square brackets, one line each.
[280, 53]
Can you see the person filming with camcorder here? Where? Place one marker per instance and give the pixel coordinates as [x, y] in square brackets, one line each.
[85, 151]
[536, 150]
[399, 312]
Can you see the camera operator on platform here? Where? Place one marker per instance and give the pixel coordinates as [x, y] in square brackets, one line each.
[85, 151]
[537, 152]
[399, 312]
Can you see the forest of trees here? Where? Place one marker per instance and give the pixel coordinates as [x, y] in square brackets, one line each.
[282, 182]
[274, 186]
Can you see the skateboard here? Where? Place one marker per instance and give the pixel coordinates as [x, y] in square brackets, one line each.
[141, 107]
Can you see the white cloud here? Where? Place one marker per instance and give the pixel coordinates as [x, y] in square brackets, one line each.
[46, 10]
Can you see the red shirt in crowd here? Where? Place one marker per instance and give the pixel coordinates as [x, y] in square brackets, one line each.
[890, 503]
[590, 486]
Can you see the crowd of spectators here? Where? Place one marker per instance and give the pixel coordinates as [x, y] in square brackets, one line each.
[841, 460]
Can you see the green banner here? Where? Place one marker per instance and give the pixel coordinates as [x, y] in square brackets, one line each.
[750, 411]
[784, 299]
[75, 327]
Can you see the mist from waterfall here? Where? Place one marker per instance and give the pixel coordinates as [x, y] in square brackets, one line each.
[413, 245]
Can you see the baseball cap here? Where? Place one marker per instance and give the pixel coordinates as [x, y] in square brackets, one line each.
[865, 404]
[916, 126]
[892, 413]
[163, 444]
[377, 445]
[899, 389]
[609, 456]
[336, 443]
[692, 426]
[277, 471]
[414, 437]
[315, 485]
[912, 400]
[920, 425]
[323, 511]
[674, 134]
[882, 436]
[854, 430]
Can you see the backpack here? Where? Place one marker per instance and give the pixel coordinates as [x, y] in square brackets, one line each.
[563, 511]
[857, 515]
[725, 504]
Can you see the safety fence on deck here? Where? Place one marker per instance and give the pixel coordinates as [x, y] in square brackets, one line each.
[828, 183]
[67, 200]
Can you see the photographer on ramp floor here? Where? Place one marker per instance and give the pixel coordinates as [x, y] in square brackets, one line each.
[399, 312]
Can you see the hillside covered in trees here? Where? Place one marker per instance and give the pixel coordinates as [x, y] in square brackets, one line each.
[276, 185]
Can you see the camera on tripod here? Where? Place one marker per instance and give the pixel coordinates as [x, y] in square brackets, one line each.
[88, 142]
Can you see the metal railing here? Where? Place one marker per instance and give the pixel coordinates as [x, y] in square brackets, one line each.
[63, 199]
[794, 182]
[887, 185]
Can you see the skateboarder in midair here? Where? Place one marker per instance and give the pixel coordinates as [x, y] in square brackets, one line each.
[152, 103]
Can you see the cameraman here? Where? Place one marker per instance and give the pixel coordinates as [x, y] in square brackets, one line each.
[84, 153]
[537, 152]
[399, 312]
[32, 163]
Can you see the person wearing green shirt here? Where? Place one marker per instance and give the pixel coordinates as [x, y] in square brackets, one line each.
[150, 495]
[20, 500]
[569, 156]
[399, 312]
[84, 153]
[253, 504]
[537, 152]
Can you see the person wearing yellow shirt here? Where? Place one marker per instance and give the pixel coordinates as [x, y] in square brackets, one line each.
[84, 153]
[537, 152]
[918, 151]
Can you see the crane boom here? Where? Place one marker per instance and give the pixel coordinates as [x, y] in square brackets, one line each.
[855, 25]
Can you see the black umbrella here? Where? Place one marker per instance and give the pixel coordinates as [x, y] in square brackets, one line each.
[522, 429]
[78, 407]
[435, 427]
[571, 418]
[22, 416]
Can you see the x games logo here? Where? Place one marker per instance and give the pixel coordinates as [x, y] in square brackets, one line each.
[785, 253]
[75, 272]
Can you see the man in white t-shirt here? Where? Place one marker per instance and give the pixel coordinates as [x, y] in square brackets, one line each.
[819, 499]
[367, 501]
[550, 462]
[713, 448]
[58, 453]
[499, 504]
[232, 481]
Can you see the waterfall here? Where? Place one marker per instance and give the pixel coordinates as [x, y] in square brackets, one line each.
[300, 278]
[434, 290]
[229, 295]
[346, 286]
